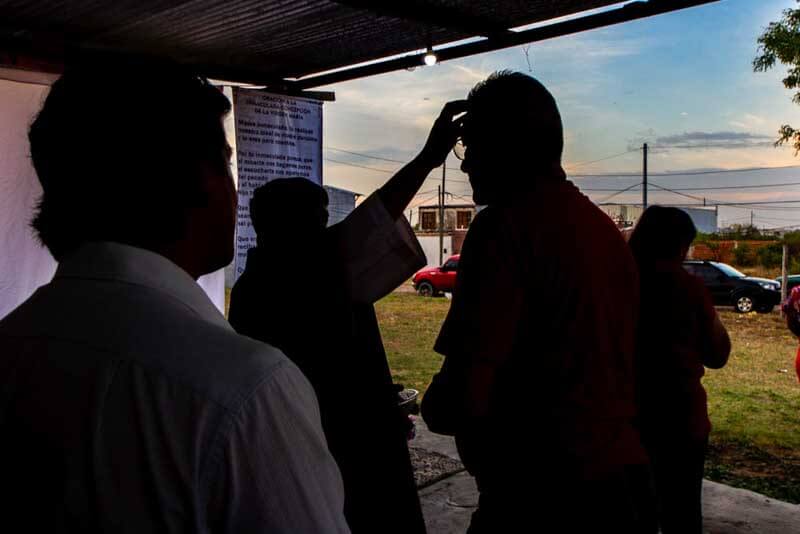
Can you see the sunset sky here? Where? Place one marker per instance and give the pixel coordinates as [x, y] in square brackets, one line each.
[683, 82]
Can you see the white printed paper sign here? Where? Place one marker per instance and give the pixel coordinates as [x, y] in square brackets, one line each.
[276, 137]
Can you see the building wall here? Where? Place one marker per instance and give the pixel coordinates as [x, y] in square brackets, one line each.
[340, 203]
[705, 219]
[430, 245]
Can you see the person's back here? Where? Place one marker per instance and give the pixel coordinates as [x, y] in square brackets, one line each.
[537, 382]
[570, 287]
[128, 403]
[678, 337]
[672, 334]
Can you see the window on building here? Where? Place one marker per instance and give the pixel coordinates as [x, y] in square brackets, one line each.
[463, 218]
[428, 220]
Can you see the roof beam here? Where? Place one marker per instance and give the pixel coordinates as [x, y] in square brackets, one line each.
[432, 15]
[626, 13]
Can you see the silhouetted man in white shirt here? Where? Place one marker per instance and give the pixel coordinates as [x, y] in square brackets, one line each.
[128, 403]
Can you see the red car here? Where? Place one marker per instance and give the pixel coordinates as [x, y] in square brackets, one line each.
[432, 281]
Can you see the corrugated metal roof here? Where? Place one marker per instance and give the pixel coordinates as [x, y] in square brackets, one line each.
[263, 40]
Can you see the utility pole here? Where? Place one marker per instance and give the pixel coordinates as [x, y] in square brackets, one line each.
[644, 176]
[441, 225]
[751, 219]
[784, 273]
[441, 214]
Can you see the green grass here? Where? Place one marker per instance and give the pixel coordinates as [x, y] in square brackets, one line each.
[754, 405]
[754, 402]
[409, 326]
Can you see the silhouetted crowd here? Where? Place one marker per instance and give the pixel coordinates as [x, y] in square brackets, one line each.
[571, 378]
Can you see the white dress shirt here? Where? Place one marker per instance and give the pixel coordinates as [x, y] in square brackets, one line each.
[128, 404]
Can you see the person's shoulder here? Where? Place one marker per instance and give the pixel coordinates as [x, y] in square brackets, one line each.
[150, 329]
[225, 366]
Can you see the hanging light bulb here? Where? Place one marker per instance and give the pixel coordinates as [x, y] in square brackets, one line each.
[430, 58]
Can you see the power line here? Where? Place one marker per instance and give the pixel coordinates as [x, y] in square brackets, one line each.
[602, 190]
[725, 187]
[381, 158]
[601, 159]
[748, 204]
[685, 173]
[678, 192]
[725, 171]
[359, 166]
[364, 155]
[619, 192]
[348, 164]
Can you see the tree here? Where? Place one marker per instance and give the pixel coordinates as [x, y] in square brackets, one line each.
[781, 42]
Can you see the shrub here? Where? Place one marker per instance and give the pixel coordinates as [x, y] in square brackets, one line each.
[743, 255]
[770, 255]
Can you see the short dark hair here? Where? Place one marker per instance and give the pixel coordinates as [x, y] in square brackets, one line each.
[117, 148]
[285, 203]
[662, 233]
[521, 110]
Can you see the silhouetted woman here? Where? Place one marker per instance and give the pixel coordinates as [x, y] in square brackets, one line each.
[679, 335]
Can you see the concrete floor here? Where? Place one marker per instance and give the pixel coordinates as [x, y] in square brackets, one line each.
[448, 504]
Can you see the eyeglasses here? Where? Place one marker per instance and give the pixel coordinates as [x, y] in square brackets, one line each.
[459, 149]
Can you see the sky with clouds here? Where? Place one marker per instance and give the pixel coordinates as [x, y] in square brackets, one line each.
[682, 82]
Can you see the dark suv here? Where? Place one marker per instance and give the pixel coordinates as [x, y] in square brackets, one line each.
[729, 287]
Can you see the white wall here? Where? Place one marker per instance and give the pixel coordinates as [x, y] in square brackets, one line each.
[430, 245]
[24, 263]
[704, 219]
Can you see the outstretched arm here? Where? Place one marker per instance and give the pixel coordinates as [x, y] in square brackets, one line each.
[397, 193]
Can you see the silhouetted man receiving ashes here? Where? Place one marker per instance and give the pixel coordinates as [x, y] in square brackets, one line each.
[310, 290]
[537, 382]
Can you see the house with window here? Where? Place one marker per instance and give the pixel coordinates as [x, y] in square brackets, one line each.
[457, 218]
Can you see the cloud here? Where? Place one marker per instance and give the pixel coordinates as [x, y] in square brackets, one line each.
[748, 121]
[684, 114]
[708, 140]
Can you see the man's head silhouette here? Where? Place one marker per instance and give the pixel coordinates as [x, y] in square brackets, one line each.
[135, 153]
[290, 210]
[513, 135]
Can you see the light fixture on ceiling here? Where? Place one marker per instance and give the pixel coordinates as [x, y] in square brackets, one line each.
[430, 58]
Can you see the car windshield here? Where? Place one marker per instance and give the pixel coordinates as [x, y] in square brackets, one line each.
[730, 271]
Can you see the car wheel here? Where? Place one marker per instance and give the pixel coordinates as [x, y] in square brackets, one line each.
[425, 289]
[743, 304]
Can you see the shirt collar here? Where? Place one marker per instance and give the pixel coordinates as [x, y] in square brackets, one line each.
[123, 263]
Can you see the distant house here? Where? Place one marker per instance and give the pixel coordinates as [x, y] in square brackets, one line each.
[457, 218]
[340, 203]
[626, 215]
